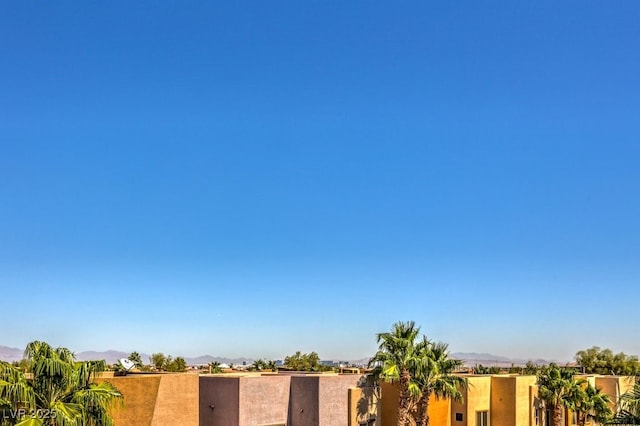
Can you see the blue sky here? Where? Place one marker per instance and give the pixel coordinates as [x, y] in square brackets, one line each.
[252, 179]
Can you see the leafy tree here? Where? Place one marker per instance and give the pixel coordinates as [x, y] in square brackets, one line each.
[603, 361]
[556, 388]
[433, 374]
[481, 369]
[530, 369]
[396, 357]
[58, 386]
[175, 365]
[168, 361]
[304, 362]
[164, 362]
[158, 360]
[514, 369]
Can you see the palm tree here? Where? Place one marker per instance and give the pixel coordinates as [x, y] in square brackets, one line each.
[214, 367]
[271, 365]
[629, 408]
[433, 374]
[15, 393]
[555, 388]
[258, 365]
[58, 390]
[394, 360]
[590, 403]
[136, 359]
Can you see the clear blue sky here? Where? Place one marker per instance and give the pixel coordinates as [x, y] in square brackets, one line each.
[256, 178]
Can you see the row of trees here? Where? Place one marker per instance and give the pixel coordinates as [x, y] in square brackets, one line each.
[305, 362]
[604, 361]
[162, 362]
[261, 365]
[560, 390]
[54, 389]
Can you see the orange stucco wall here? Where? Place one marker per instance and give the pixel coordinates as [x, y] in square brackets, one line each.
[439, 409]
[156, 399]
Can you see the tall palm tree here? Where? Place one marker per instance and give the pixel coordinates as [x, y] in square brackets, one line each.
[629, 408]
[433, 374]
[58, 390]
[556, 388]
[393, 362]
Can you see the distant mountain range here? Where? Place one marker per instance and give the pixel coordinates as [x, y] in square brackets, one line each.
[111, 357]
[10, 354]
[473, 358]
[469, 358]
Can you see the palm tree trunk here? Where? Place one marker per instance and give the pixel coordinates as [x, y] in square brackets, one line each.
[582, 419]
[422, 410]
[558, 415]
[404, 399]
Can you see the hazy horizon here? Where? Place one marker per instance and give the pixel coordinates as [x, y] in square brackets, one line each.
[480, 355]
[257, 178]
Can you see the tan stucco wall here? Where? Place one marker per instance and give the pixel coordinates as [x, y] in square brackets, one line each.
[156, 399]
[177, 401]
[503, 401]
[476, 397]
[510, 400]
[614, 386]
[333, 398]
[264, 400]
[364, 405]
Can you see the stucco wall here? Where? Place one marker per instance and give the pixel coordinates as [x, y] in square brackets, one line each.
[364, 405]
[156, 399]
[389, 403]
[297, 400]
[264, 400]
[333, 399]
[477, 397]
[219, 397]
[614, 386]
[303, 402]
[439, 411]
[511, 403]
[177, 401]
[503, 401]
[140, 394]
[524, 405]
